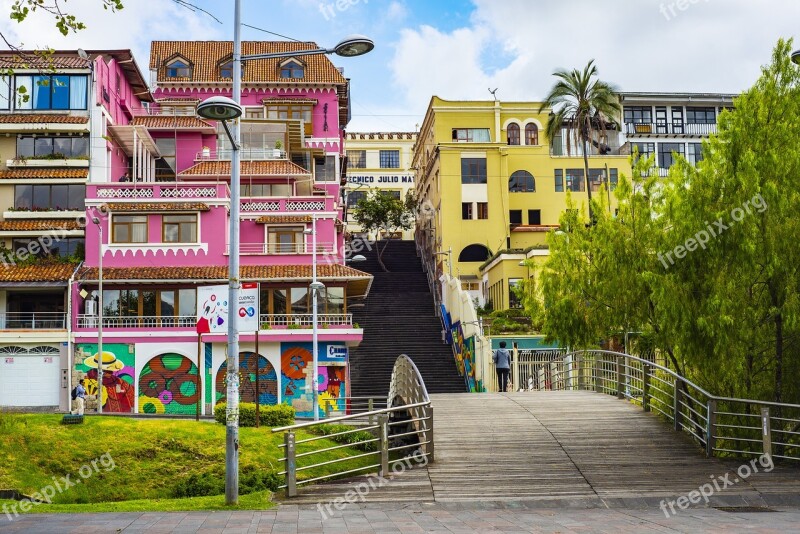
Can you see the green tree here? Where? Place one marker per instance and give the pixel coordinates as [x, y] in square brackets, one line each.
[384, 214]
[585, 106]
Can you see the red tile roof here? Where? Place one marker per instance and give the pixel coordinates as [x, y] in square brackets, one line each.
[277, 167]
[157, 206]
[54, 272]
[27, 59]
[248, 272]
[38, 225]
[206, 56]
[42, 118]
[44, 173]
[171, 122]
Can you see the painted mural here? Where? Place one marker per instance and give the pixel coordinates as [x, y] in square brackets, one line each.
[168, 384]
[118, 374]
[267, 380]
[465, 358]
[296, 369]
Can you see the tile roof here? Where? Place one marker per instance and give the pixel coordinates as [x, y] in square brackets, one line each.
[275, 219]
[54, 272]
[276, 167]
[44, 173]
[171, 121]
[248, 272]
[27, 59]
[157, 206]
[38, 225]
[42, 118]
[206, 56]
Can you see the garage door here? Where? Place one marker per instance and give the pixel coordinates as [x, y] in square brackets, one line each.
[29, 376]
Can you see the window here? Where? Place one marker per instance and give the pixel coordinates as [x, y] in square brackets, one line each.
[141, 302]
[646, 150]
[285, 239]
[597, 177]
[226, 70]
[575, 182]
[292, 69]
[665, 151]
[165, 166]
[559, 179]
[129, 229]
[513, 134]
[301, 112]
[638, 114]
[266, 190]
[695, 154]
[701, 116]
[661, 119]
[390, 159]
[5, 92]
[471, 135]
[515, 216]
[613, 178]
[325, 169]
[466, 211]
[179, 228]
[677, 120]
[513, 298]
[535, 217]
[53, 92]
[50, 197]
[253, 112]
[473, 170]
[356, 159]
[531, 134]
[483, 210]
[66, 147]
[353, 197]
[65, 247]
[521, 182]
[288, 301]
[178, 68]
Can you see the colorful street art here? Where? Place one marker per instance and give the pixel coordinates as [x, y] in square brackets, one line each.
[168, 385]
[465, 358]
[296, 369]
[267, 380]
[118, 374]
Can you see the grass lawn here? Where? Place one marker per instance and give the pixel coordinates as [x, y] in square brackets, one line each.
[144, 464]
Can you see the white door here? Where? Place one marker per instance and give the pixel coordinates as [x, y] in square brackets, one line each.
[29, 380]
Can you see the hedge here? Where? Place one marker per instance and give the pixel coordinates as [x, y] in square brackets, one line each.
[269, 415]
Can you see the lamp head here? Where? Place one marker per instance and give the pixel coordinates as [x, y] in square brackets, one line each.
[95, 220]
[356, 259]
[354, 45]
[219, 108]
[82, 54]
[796, 57]
[317, 286]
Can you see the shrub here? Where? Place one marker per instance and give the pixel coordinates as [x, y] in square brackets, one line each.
[357, 439]
[251, 480]
[270, 415]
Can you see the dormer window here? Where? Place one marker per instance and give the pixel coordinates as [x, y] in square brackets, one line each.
[226, 70]
[179, 68]
[292, 69]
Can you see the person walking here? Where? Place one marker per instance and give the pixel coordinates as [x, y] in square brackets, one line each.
[80, 397]
[502, 364]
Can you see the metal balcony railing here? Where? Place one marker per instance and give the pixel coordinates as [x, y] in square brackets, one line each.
[33, 321]
[305, 320]
[180, 321]
[246, 154]
[669, 128]
[257, 249]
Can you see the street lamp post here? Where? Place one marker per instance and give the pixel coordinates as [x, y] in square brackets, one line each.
[316, 286]
[96, 220]
[223, 109]
[449, 253]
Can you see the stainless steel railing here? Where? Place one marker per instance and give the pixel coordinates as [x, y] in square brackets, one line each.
[722, 425]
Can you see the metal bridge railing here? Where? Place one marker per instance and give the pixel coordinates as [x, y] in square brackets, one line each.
[724, 425]
[404, 427]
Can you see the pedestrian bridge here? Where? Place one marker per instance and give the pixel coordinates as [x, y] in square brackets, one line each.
[604, 430]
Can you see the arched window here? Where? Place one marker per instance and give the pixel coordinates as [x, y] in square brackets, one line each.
[521, 182]
[292, 69]
[474, 253]
[531, 134]
[513, 134]
[178, 68]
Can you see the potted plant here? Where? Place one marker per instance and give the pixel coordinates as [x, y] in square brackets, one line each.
[278, 146]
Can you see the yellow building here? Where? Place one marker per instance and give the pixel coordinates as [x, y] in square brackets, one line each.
[378, 161]
[497, 186]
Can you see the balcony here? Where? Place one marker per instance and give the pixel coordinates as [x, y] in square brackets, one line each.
[305, 320]
[295, 321]
[294, 205]
[181, 321]
[652, 129]
[153, 190]
[263, 249]
[247, 154]
[33, 321]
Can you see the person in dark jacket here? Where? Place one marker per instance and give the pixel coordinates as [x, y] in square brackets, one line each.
[502, 364]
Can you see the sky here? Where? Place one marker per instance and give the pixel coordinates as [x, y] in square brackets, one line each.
[459, 49]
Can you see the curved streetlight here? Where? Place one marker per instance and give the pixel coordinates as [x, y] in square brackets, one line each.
[353, 45]
[219, 108]
[358, 258]
[796, 57]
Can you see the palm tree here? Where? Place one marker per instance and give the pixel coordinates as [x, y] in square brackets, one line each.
[584, 105]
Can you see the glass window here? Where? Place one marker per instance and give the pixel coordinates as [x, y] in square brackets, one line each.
[80, 146]
[466, 211]
[292, 69]
[41, 92]
[111, 302]
[559, 179]
[597, 177]
[300, 300]
[23, 197]
[149, 303]
[167, 303]
[613, 178]
[473, 170]
[60, 92]
[515, 216]
[353, 197]
[179, 228]
[695, 154]
[356, 159]
[325, 169]
[5, 92]
[638, 114]
[575, 182]
[59, 197]
[62, 146]
[279, 302]
[390, 159]
[129, 303]
[77, 197]
[187, 302]
[335, 302]
[483, 210]
[41, 197]
[178, 69]
[129, 229]
[285, 239]
[534, 216]
[56, 147]
[646, 150]
[471, 135]
[226, 70]
[513, 298]
[25, 147]
[531, 134]
[513, 134]
[23, 97]
[665, 153]
[521, 182]
[43, 146]
[701, 115]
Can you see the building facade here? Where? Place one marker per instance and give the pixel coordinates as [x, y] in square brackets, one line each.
[378, 161]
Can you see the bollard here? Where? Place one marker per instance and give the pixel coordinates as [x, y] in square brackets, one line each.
[645, 387]
[766, 433]
[620, 377]
[676, 404]
[429, 436]
[383, 423]
[711, 423]
[291, 473]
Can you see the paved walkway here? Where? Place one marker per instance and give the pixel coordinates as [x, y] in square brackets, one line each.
[391, 518]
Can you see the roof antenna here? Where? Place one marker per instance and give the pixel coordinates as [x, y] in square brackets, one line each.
[494, 93]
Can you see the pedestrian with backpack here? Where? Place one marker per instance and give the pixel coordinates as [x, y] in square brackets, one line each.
[502, 365]
[79, 396]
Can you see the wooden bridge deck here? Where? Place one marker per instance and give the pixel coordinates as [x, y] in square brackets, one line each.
[581, 447]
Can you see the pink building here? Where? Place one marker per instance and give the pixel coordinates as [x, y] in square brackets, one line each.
[163, 211]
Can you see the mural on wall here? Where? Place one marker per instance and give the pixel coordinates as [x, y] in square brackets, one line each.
[267, 380]
[464, 350]
[168, 385]
[118, 374]
[296, 369]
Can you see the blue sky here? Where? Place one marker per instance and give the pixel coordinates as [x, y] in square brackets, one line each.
[457, 49]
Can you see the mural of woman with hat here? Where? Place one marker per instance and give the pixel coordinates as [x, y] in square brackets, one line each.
[118, 395]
